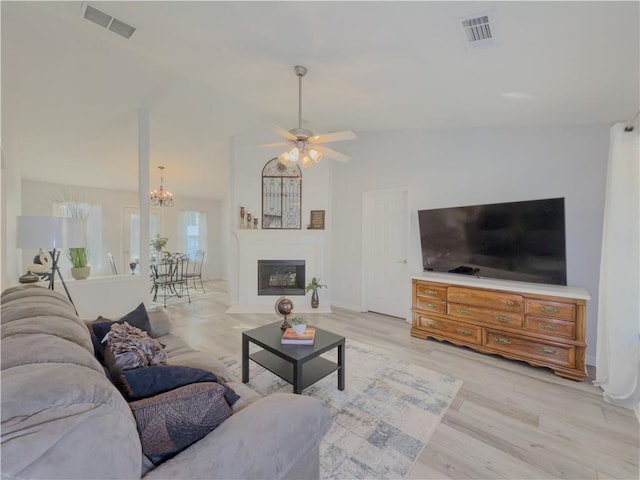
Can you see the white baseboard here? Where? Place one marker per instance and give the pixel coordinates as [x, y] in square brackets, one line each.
[353, 308]
[269, 309]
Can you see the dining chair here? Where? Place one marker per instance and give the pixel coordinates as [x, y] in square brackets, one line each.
[112, 262]
[169, 277]
[195, 273]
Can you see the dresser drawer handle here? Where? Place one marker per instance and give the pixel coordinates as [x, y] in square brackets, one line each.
[502, 318]
[431, 323]
[503, 341]
[546, 309]
[429, 305]
[463, 331]
[511, 303]
[464, 311]
[548, 326]
[548, 351]
[432, 292]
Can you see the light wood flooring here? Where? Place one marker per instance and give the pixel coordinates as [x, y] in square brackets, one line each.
[509, 420]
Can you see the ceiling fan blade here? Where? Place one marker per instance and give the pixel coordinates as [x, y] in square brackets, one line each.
[279, 144]
[341, 157]
[333, 137]
[286, 134]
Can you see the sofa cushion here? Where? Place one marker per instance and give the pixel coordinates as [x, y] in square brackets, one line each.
[180, 353]
[160, 322]
[170, 422]
[57, 419]
[138, 318]
[145, 382]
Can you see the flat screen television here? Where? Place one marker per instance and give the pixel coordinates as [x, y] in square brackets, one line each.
[523, 241]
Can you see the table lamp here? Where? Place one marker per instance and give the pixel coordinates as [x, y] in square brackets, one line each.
[51, 234]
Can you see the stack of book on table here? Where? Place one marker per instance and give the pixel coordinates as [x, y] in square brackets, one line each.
[290, 337]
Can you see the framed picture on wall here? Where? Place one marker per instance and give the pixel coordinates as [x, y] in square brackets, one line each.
[316, 221]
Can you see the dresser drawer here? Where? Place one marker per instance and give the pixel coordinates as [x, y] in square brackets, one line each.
[486, 315]
[510, 302]
[551, 326]
[449, 328]
[427, 290]
[560, 355]
[546, 308]
[431, 305]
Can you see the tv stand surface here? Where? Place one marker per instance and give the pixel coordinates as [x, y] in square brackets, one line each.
[543, 325]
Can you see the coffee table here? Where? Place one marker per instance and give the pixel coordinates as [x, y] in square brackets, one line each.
[300, 365]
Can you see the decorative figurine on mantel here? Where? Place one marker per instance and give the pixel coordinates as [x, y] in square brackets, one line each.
[249, 221]
[255, 223]
[241, 217]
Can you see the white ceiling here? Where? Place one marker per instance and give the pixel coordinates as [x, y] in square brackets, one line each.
[209, 70]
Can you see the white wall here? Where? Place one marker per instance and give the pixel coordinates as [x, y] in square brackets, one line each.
[246, 190]
[452, 167]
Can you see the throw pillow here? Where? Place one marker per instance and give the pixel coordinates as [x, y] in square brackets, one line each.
[136, 318]
[160, 322]
[170, 422]
[146, 382]
[129, 347]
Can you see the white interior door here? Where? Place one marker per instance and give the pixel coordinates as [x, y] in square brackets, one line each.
[385, 245]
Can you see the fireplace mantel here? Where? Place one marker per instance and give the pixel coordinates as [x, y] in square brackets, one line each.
[254, 245]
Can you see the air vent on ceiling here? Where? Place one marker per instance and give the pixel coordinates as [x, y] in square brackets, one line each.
[478, 29]
[107, 21]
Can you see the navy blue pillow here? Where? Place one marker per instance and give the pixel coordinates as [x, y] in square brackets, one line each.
[136, 318]
[139, 383]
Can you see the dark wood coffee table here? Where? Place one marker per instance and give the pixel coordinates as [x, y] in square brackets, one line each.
[300, 365]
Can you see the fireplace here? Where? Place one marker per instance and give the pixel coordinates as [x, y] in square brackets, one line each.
[281, 277]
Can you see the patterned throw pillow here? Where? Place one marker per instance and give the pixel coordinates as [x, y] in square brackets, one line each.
[138, 318]
[170, 422]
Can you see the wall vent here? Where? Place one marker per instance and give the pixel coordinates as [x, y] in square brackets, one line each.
[478, 29]
[106, 21]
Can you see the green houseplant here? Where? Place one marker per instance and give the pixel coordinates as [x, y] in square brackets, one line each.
[158, 243]
[78, 257]
[299, 324]
[313, 286]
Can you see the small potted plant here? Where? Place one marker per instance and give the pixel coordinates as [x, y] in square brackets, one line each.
[313, 286]
[299, 324]
[158, 243]
[79, 268]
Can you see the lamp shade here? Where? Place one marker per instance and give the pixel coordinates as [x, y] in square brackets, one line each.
[49, 232]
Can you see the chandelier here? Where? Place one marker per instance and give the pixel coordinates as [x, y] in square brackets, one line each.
[160, 196]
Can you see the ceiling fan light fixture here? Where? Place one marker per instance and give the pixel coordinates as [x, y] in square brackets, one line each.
[303, 140]
[292, 156]
[315, 155]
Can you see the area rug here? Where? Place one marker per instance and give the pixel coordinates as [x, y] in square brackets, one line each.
[381, 421]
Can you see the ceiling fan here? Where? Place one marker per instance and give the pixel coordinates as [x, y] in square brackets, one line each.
[306, 147]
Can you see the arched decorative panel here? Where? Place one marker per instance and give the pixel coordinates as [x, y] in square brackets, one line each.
[281, 196]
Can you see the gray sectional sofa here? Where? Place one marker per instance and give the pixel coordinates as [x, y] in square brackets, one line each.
[62, 417]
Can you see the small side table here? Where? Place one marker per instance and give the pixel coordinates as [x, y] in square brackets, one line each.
[299, 365]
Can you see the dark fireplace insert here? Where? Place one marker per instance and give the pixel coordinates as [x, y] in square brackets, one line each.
[281, 277]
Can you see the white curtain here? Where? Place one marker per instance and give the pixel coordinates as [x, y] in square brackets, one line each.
[190, 225]
[618, 350]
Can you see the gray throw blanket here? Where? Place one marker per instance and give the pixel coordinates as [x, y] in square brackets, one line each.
[133, 348]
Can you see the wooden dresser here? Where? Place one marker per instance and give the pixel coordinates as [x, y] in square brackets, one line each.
[543, 325]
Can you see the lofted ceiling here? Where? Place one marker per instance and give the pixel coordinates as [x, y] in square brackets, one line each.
[206, 71]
